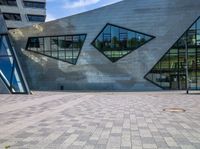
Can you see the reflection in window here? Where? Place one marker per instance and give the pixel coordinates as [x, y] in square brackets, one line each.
[116, 42]
[9, 70]
[169, 72]
[66, 48]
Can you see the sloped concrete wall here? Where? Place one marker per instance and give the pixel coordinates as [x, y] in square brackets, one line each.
[167, 20]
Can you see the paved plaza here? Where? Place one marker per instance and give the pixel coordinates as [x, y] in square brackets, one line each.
[103, 120]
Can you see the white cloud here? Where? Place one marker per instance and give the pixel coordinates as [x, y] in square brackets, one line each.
[50, 17]
[79, 3]
[108, 2]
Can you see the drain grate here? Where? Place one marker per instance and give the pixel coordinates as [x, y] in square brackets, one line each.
[174, 110]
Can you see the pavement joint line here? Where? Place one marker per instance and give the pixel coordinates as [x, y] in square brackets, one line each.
[14, 127]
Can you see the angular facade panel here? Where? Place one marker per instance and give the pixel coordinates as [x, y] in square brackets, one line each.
[169, 72]
[166, 20]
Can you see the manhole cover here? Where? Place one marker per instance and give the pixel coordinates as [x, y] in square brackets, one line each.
[175, 110]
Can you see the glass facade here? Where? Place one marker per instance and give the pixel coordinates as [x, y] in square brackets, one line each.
[8, 2]
[36, 18]
[116, 42]
[169, 72]
[9, 69]
[65, 48]
[31, 4]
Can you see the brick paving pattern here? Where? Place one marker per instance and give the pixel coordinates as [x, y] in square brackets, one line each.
[118, 120]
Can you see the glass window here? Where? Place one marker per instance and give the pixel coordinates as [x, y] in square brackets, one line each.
[198, 62]
[131, 40]
[198, 24]
[6, 64]
[8, 2]
[165, 63]
[17, 86]
[191, 37]
[198, 37]
[193, 80]
[12, 16]
[176, 58]
[115, 42]
[107, 30]
[31, 4]
[47, 44]
[36, 18]
[198, 82]
[66, 48]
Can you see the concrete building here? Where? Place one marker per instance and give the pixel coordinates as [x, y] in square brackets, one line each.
[20, 13]
[130, 45]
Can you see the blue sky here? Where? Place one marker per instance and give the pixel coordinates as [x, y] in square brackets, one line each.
[61, 8]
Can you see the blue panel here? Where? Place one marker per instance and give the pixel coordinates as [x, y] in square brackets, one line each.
[17, 86]
[9, 70]
[6, 64]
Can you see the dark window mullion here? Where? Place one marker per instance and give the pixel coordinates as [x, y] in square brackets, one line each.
[65, 48]
[43, 44]
[12, 75]
[56, 45]
[72, 49]
[196, 56]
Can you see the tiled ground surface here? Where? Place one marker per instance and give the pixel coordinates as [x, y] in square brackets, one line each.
[99, 120]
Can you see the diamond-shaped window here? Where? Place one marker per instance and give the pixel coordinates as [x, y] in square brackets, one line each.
[116, 42]
[66, 48]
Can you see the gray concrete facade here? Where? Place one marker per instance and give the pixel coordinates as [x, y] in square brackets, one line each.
[3, 28]
[167, 20]
[23, 11]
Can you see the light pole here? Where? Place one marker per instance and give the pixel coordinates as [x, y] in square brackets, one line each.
[186, 65]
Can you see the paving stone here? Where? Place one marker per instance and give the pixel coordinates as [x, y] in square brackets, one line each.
[51, 120]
